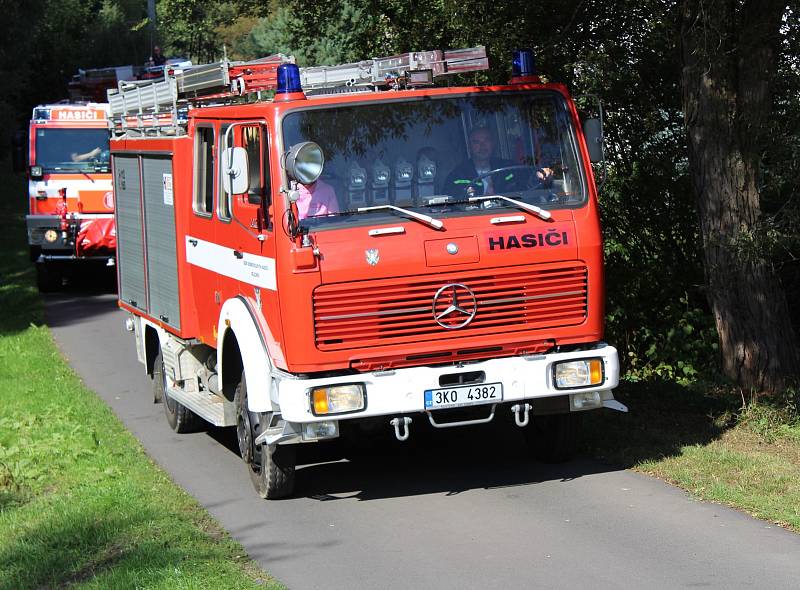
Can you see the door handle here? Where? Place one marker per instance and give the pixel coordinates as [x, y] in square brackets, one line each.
[238, 254]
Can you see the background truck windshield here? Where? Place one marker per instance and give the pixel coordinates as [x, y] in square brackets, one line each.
[519, 145]
[72, 150]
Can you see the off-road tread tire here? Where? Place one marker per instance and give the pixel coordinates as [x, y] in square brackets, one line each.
[275, 479]
[554, 438]
[49, 278]
[180, 418]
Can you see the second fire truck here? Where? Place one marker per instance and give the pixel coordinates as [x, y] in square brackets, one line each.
[408, 293]
[71, 202]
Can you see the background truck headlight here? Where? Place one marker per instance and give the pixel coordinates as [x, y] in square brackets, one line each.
[337, 399]
[581, 373]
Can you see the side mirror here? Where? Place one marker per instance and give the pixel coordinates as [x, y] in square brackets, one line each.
[19, 143]
[304, 162]
[593, 132]
[237, 177]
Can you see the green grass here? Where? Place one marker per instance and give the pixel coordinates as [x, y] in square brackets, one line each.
[707, 444]
[81, 504]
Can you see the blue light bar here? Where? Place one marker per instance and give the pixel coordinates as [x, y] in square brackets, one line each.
[288, 79]
[523, 63]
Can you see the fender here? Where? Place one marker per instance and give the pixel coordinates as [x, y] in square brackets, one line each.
[146, 347]
[241, 316]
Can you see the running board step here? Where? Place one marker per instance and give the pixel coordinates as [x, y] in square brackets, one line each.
[211, 408]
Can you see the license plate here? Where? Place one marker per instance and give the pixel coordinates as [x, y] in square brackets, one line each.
[463, 395]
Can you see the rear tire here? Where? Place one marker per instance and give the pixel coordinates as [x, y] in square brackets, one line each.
[49, 277]
[180, 418]
[271, 468]
[554, 438]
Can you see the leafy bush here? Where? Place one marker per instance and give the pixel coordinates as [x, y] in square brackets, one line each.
[773, 417]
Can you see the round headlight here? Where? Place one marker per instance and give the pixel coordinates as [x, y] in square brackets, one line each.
[51, 235]
[304, 162]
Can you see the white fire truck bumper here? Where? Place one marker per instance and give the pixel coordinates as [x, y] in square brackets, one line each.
[413, 390]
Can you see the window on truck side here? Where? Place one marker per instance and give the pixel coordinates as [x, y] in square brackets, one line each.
[252, 141]
[224, 203]
[251, 138]
[204, 171]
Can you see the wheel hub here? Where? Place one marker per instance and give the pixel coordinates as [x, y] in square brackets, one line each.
[244, 433]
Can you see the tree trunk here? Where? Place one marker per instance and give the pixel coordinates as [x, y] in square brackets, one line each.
[729, 60]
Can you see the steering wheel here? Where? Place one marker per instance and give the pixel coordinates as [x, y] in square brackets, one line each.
[540, 183]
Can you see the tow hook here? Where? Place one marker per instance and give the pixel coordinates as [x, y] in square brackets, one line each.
[521, 422]
[405, 421]
[613, 404]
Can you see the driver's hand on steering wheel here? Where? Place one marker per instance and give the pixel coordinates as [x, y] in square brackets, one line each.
[545, 176]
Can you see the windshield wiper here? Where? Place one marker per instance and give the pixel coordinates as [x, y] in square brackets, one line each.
[541, 213]
[426, 219]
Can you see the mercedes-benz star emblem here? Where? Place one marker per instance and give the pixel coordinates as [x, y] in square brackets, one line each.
[454, 306]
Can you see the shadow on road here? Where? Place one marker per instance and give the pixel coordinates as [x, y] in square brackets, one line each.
[87, 293]
[430, 462]
[67, 309]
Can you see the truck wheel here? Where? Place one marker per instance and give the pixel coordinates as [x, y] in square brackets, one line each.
[554, 438]
[180, 418]
[48, 277]
[271, 468]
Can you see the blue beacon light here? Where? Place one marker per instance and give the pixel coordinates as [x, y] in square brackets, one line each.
[289, 82]
[523, 66]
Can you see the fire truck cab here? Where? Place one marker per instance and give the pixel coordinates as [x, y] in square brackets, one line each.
[345, 254]
[71, 203]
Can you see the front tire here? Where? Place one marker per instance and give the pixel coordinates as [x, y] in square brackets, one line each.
[554, 438]
[271, 468]
[180, 418]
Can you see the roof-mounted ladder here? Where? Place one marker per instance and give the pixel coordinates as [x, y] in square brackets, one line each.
[156, 103]
[382, 71]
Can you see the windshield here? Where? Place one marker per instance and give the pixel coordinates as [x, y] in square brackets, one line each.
[427, 154]
[72, 150]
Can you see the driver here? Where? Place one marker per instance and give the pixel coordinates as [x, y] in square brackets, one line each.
[316, 199]
[482, 161]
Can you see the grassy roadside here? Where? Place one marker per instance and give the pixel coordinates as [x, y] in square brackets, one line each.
[81, 504]
[747, 458]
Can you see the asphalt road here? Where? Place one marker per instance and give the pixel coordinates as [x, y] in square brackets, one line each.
[464, 511]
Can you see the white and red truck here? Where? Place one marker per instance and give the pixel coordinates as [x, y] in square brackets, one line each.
[71, 201]
[302, 254]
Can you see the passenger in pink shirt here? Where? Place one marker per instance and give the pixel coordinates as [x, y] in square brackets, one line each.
[315, 199]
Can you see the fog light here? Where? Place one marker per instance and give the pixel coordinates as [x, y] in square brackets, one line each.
[337, 399]
[320, 430]
[582, 373]
[585, 401]
[51, 235]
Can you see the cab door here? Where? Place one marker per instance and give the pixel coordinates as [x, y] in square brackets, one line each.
[245, 218]
[201, 247]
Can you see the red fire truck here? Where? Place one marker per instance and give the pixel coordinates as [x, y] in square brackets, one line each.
[71, 202]
[332, 259]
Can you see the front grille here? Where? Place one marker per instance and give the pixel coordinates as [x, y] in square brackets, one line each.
[400, 310]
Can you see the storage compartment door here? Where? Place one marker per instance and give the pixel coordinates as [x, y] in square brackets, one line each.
[162, 259]
[130, 243]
